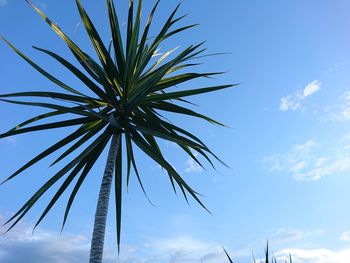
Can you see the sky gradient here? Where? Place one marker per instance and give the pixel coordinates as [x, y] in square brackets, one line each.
[288, 144]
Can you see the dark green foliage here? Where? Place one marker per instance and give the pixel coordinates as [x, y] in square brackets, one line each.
[130, 89]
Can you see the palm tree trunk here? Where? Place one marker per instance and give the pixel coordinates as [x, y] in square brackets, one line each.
[98, 235]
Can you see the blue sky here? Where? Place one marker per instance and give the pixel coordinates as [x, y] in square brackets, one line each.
[288, 145]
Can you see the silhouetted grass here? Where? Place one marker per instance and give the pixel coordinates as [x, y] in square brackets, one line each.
[268, 258]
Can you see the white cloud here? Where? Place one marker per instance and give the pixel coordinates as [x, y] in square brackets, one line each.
[286, 234]
[321, 255]
[310, 161]
[192, 166]
[320, 162]
[345, 236]
[338, 165]
[345, 137]
[291, 161]
[185, 249]
[311, 88]
[3, 2]
[21, 245]
[42, 247]
[291, 102]
[180, 243]
[339, 111]
[294, 101]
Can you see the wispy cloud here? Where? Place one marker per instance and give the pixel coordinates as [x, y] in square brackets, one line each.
[190, 250]
[292, 161]
[338, 111]
[291, 102]
[294, 101]
[43, 246]
[311, 88]
[3, 2]
[288, 234]
[20, 245]
[321, 255]
[41, 4]
[180, 243]
[310, 161]
[192, 166]
[11, 141]
[345, 236]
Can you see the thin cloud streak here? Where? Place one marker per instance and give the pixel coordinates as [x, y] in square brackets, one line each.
[310, 161]
[345, 236]
[339, 111]
[294, 101]
[321, 255]
[192, 166]
[283, 235]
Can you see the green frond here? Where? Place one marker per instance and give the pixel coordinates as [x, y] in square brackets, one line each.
[41, 70]
[80, 158]
[95, 154]
[228, 256]
[79, 74]
[116, 38]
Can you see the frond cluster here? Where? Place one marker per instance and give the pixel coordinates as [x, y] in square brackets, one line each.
[130, 90]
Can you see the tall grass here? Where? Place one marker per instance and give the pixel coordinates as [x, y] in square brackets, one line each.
[268, 258]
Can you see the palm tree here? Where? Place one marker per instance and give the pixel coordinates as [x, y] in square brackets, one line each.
[121, 100]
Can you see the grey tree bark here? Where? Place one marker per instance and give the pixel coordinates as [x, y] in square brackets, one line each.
[98, 236]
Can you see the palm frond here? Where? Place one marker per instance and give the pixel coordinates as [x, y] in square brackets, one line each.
[130, 90]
